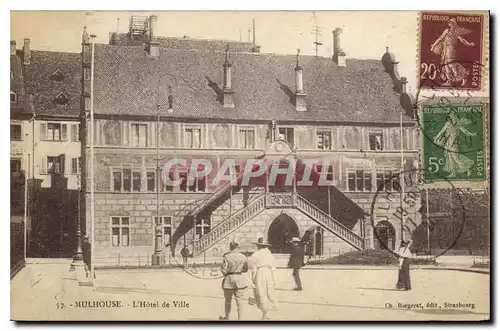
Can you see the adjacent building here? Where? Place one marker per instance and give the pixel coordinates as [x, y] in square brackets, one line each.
[45, 146]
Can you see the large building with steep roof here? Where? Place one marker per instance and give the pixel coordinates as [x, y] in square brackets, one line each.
[155, 101]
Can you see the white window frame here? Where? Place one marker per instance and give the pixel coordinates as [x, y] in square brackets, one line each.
[120, 226]
[293, 144]
[75, 132]
[121, 169]
[246, 129]
[364, 171]
[203, 226]
[192, 127]
[78, 166]
[196, 184]
[382, 142]
[15, 96]
[21, 135]
[164, 226]
[383, 170]
[131, 134]
[61, 165]
[316, 130]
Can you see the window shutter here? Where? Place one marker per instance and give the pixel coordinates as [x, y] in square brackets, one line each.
[74, 132]
[62, 159]
[43, 168]
[64, 132]
[43, 131]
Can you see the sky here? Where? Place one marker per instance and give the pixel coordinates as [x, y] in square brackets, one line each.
[365, 35]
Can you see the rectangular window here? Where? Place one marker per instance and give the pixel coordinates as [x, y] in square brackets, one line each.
[117, 181]
[127, 180]
[120, 231]
[166, 222]
[375, 140]
[75, 165]
[53, 131]
[247, 138]
[183, 180]
[16, 132]
[203, 225]
[136, 181]
[15, 167]
[286, 134]
[329, 172]
[75, 132]
[151, 183]
[139, 135]
[387, 181]
[54, 165]
[192, 137]
[324, 138]
[359, 180]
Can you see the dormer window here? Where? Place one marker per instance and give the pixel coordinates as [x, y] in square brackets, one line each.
[61, 99]
[13, 97]
[57, 76]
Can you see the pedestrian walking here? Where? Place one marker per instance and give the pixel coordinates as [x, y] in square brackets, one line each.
[296, 261]
[405, 256]
[263, 267]
[235, 282]
[185, 255]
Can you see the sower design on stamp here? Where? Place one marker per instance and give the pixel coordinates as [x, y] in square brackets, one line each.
[453, 142]
[451, 50]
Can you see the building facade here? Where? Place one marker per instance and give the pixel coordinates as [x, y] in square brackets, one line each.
[45, 147]
[154, 103]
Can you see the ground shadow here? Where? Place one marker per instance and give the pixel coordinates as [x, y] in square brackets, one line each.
[377, 289]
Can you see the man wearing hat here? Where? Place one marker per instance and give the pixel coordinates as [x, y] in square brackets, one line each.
[233, 267]
[296, 261]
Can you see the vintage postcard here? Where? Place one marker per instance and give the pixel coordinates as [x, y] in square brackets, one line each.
[198, 166]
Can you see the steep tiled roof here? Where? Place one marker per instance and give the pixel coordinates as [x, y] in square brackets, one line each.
[126, 80]
[44, 88]
[16, 83]
[186, 43]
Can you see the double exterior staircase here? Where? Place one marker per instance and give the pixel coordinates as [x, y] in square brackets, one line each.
[276, 200]
[329, 223]
[230, 224]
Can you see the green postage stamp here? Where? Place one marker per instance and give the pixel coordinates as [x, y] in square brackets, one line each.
[453, 143]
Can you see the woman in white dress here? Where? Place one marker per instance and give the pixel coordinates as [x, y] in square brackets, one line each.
[263, 271]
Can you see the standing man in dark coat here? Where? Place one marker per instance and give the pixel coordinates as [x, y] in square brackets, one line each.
[185, 255]
[296, 261]
[235, 282]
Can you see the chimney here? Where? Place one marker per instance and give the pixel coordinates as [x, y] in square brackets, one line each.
[300, 95]
[12, 47]
[227, 99]
[338, 53]
[26, 52]
[153, 45]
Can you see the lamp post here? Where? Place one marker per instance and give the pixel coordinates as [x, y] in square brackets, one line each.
[156, 259]
[92, 133]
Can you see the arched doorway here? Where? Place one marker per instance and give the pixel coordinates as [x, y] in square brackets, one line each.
[313, 238]
[385, 236]
[281, 230]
